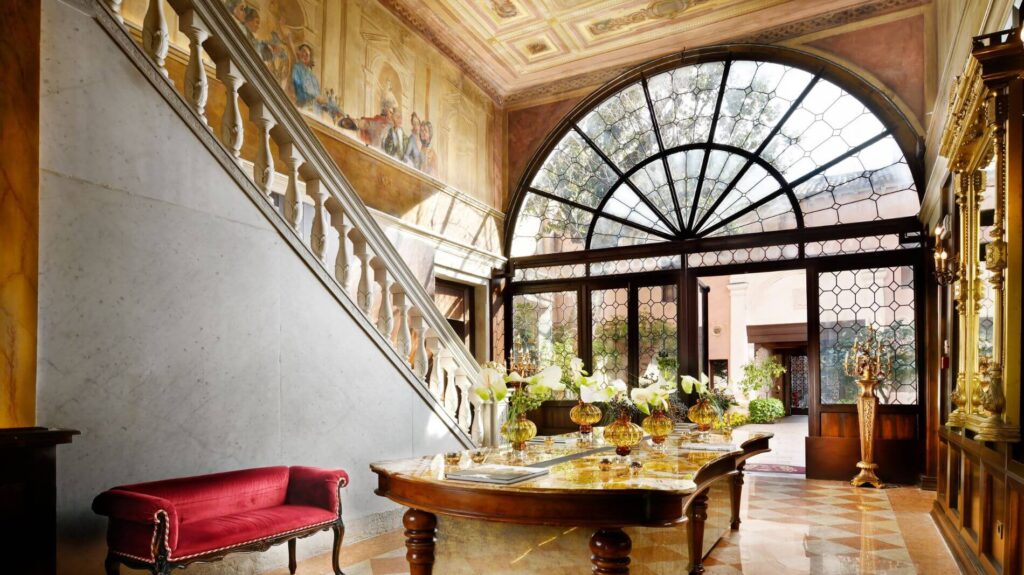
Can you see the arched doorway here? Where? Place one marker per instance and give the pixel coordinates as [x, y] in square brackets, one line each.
[724, 160]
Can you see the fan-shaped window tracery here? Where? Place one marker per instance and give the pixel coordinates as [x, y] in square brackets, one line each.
[718, 148]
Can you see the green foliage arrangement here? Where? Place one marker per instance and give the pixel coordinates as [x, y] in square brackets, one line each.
[734, 420]
[759, 375]
[766, 410]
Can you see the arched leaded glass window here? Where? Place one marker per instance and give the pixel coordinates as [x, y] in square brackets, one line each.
[732, 142]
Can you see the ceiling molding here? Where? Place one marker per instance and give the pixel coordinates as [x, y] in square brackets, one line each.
[487, 72]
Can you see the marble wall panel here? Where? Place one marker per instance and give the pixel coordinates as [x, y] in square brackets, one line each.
[19, 210]
[177, 330]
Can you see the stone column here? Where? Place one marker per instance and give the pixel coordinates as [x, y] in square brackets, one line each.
[738, 346]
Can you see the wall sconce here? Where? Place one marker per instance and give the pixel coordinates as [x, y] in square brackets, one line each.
[945, 262]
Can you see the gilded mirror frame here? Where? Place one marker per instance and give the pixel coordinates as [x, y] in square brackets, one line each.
[985, 128]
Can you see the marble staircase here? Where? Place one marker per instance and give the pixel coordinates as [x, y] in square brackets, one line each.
[358, 264]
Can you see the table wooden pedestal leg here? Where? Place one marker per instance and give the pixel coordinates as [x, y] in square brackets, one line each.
[420, 528]
[737, 495]
[697, 515]
[610, 548]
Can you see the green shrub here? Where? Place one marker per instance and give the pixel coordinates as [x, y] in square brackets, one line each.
[766, 410]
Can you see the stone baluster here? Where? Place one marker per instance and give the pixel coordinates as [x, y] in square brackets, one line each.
[115, 7]
[364, 292]
[339, 221]
[292, 197]
[403, 341]
[465, 416]
[197, 87]
[232, 129]
[386, 313]
[434, 382]
[451, 397]
[263, 167]
[318, 233]
[419, 329]
[155, 41]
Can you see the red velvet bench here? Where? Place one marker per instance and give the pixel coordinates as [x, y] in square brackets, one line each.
[163, 525]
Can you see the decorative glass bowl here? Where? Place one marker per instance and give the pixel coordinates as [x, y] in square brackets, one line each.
[703, 413]
[585, 415]
[623, 433]
[518, 431]
[658, 426]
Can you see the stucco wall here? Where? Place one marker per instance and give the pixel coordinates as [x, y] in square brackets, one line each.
[177, 330]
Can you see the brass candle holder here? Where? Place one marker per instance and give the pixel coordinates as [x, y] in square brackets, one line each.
[870, 363]
[520, 360]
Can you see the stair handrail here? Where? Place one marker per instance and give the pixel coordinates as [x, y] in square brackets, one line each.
[213, 30]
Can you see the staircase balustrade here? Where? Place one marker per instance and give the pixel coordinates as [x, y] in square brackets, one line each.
[424, 341]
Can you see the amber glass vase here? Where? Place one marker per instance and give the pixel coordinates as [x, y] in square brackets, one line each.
[518, 431]
[703, 413]
[585, 415]
[623, 433]
[658, 426]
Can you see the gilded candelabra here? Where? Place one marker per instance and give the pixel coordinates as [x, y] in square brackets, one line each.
[870, 362]
[520, 360]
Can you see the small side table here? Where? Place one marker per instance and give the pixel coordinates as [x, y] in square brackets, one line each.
[28, 498]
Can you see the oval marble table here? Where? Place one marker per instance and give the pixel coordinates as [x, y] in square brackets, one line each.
[670, 488]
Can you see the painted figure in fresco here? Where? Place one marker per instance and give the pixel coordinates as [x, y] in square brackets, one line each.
[429, 162]
[394, 138]
[304, 82]
[265, 35]
[413, 154]
[373, 130]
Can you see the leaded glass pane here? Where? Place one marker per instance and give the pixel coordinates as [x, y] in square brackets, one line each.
[755, 185]
[574, 171]
[685, 169]
[635, 265]
[777, 214]
[743, 255]
[861, 245]
[545, 325]
[612, 234]
[874, 184]
[684, 102]
[550, 272]
[757, 95]
[626, 205]
[827, 124]
[621, 126]
[722, 168]
[610, 331]
[850, 301]
[658, 319]
[547, 226]
[652, 182]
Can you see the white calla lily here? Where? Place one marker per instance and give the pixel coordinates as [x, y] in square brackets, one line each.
[642, 397]
[491, 385]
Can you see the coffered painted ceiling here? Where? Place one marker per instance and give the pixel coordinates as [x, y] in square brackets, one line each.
[523, 49]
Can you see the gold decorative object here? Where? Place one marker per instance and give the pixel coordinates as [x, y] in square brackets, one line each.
[982, 143]
[658, 426]
[585, 415]
[478, 456]
[623, 433]
[703, 413]
[518, 431]
[453, 457]
[870, 362]
[521, 361]
[945, 265]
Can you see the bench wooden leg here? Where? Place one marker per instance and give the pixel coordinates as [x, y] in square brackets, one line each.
[112, 565]
[339, 535]
[291, 556]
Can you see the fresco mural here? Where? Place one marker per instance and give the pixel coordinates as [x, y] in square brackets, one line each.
[380, 91]
[367, 82]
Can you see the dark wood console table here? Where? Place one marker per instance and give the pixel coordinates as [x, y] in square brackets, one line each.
[671, 488]
[28, 498]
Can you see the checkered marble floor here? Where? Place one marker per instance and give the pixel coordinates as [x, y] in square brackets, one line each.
[790, 526]
[809, 526]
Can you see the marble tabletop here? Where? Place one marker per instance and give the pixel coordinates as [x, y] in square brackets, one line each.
[669, 469]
